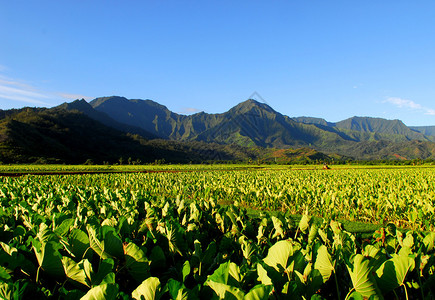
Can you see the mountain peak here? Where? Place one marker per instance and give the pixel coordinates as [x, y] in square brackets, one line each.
[249, 105]
[110, 99]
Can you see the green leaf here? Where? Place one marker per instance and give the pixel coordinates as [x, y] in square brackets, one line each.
[4, 275]
[355, 296]
[102, 292]
[313, 233]
[6, 290]
[64, 227]
[363, 281]
[408, 241]
[304, 223]
[225, 291]
[95, 244]
[279, 254]
[75, 271]
[149, 289]
[235, 277]
[112, 242]
[221, 274]
[259, 292]
[136, 262]
[11, 259]
[157, 258]
[106, 267]
[277, 225]
[392, 273]
[209, 254]
[173, 287]
[109, 278]
[186, 270]
[79, 242]
[49, 258]
[263, 277]
[429, 241]
[323, 263]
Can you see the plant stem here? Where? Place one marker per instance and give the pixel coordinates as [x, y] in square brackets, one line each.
[406, 291]
[348, 294]
[336, 285]
[421, 287]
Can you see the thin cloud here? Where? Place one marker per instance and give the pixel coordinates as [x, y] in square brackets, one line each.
[405, 103]
[16, 90]
[73, 96]
[189, 110]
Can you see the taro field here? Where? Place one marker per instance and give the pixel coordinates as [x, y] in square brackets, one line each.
[219, 234]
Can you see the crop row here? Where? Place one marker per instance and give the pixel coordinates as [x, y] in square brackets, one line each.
[404, 197]
[165, 236]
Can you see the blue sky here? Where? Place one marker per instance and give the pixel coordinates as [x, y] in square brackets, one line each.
[328, 59]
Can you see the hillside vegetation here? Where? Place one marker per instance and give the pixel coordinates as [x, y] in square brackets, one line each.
[115, 129]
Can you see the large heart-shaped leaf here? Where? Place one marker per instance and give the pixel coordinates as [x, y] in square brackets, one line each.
[225, 291]
[362, 279]
[102, 292]
[136, 262]
[323, 263]
[278, 255]
[95, 243]
[49, 258]
[112, 242]
[392, 273]
[149, 289]
[75, 271]
[79, 242]
[259, 292]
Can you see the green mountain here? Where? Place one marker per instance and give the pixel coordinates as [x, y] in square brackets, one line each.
[426, 130]
[372, 129]
[109, 128]
[68, 136]
[392, 130]
[315, 121]
[251, 123]
[87, 109]
[61, 135]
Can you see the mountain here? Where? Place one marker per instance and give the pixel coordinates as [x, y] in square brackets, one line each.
[252, 123]
[372, 129]
[69, 136]
[87, 109]
[394, 130]
[155, 118]
[109, 128]
[315, 121]
[426, 130]
[248, 123]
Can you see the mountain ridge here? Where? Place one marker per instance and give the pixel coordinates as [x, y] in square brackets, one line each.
[166, 124]
[247, 124]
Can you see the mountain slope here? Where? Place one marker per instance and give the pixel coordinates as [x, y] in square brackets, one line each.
[87, 109]
[251, 123]
[426, 130]
[111, 127]
[69, 136]
[393, 130]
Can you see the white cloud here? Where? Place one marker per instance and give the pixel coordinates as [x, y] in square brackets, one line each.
[17, 90]
[405, 103]
[73, 96]
[189, 110]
